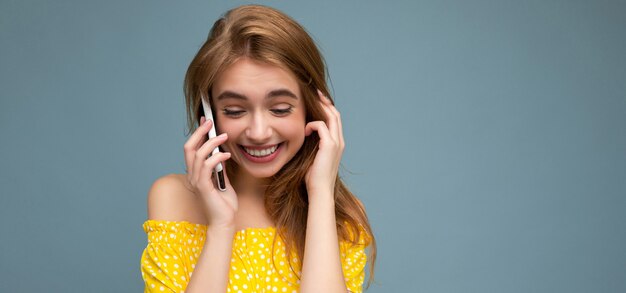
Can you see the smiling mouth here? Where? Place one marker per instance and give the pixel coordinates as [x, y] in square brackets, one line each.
[262, 152]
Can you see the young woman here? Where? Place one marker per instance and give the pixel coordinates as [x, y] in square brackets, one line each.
[286, 222]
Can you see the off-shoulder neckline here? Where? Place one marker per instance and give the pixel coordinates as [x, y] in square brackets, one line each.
[247, 229]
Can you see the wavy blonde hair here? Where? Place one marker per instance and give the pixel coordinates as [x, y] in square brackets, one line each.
[267, 35]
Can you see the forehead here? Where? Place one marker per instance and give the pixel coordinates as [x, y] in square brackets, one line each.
[255, 80]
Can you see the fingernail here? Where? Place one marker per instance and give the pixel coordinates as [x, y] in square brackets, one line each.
[222, 135]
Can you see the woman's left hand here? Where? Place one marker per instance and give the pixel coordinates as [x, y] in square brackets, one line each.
[323, 172]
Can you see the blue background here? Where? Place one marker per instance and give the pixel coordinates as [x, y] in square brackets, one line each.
[486, 138]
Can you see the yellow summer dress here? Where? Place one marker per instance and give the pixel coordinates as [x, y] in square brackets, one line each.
[173, 249]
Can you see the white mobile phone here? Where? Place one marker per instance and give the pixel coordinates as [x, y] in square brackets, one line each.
[219, 169]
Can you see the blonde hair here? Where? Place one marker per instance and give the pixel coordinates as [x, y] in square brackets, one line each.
[267, 35]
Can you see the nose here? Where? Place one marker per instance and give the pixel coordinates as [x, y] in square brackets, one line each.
[259, 130]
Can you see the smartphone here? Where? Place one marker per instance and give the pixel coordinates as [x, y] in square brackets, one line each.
[219, 169]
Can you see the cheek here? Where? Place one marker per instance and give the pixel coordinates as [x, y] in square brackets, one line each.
[296, 131]
[296, 135]
[231, 126]
[233, 130]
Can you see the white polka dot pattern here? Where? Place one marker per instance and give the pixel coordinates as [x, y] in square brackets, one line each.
[258, 263]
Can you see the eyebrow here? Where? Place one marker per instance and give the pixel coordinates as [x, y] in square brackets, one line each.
[270, 95]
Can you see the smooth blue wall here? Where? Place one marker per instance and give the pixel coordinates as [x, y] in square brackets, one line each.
[486, 138]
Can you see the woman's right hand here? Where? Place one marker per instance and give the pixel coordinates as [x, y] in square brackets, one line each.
[220, 206]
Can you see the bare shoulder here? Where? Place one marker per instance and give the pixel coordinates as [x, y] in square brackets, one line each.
[171, 199]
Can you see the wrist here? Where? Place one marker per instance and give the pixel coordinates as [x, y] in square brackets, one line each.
[324, 191]
[220, 231]
[320, 196]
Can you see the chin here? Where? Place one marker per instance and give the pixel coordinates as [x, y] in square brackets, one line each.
[261, 172]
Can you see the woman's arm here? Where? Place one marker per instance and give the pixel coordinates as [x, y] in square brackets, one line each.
[321, 265]
[211, 272]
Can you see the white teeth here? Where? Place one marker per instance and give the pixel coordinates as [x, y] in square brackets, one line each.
[261, 153]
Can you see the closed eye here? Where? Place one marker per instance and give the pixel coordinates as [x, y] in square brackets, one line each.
[282, 111]
[237, 113]
[232, 113]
